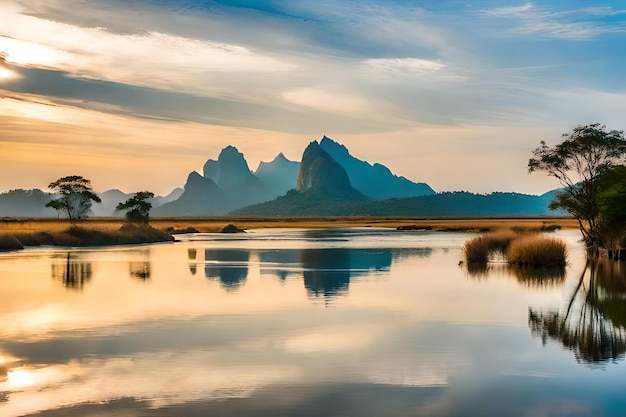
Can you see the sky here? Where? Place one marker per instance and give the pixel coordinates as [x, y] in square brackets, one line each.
[135, 94]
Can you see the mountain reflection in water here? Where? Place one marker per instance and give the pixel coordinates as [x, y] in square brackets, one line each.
[326, 271]
[238, 325]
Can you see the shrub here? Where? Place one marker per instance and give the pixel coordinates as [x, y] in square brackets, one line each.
[537, 250]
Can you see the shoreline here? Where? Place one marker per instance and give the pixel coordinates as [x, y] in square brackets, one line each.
[211, 224]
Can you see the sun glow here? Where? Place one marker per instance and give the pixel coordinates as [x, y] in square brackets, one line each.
[20, 378]
[6, 73]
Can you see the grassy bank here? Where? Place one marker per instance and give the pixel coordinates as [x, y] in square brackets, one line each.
[215, 224]
[84, 236]
[112, 231]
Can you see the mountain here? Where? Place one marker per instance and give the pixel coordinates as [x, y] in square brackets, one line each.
[280, 174]
[322, 183]
[26, 203]
[227, 184]
[173, 195]
[376, 180]
[441, 204]
[230, 170]
[201, 196]
[111, 198]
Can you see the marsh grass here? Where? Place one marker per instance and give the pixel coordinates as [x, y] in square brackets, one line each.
[82, 236]
[476, 250]
[480, 249]
[525, 249]
[537, 250]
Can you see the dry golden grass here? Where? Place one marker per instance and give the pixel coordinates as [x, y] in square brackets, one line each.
[215, 224]
[480, 249]
[476, 250]
[537, 250]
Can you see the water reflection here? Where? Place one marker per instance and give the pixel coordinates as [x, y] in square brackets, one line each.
[71, 270]
[191, 255]
[592, 325]
[229, 266]
[326, 272]
[534, 277]
[141, 268]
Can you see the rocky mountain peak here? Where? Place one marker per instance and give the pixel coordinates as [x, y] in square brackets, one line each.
[321, 173]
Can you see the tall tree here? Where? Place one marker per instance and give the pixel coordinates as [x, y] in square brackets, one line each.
[137, 207]
[76, 197]
[578, 162]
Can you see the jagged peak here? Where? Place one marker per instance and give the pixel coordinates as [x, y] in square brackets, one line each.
[230, 148]
[327, 142]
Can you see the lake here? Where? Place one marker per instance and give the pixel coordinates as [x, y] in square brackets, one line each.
[345, 322]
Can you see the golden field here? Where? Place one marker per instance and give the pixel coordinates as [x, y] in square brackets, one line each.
[215, 224]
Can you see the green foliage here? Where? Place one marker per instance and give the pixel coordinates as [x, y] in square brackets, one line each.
[137, 207]
[76, 196]
[578, 162]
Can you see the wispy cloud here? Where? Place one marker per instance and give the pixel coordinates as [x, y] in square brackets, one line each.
[149, 58]
[405, 65]
[572, 24]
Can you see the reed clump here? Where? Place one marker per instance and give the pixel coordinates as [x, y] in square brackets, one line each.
[480, 249]
[476, 250]
[537, 250]
[519, 249]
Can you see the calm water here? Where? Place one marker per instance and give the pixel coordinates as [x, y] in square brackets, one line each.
[359, 322]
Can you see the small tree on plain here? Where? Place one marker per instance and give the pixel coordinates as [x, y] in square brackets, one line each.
[76, 197]
[578, 162]
[137, 207]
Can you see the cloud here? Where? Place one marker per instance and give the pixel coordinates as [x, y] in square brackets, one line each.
[405, 65]
[330, 102]
[150, 58]
[573, 24]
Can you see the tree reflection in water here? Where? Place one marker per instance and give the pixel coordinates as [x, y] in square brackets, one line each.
[140, 269]
[71, 271]
[191, 255]
[592, 325]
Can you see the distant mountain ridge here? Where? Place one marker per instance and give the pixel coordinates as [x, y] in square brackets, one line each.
[31, 203]
[328, 181]
[376, 180]
[280, 174]
[227, 184]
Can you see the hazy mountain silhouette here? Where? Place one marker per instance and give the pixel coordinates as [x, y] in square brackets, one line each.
[227, 184]
[280, 174]
[201, 196]
[26, 203]
[111, 198]
[376, 180]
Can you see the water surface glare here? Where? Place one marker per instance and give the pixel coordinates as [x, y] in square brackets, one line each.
[344, 322]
